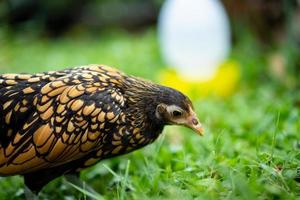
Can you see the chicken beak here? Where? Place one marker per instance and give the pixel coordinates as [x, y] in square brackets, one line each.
[199, 130]
[194, 124]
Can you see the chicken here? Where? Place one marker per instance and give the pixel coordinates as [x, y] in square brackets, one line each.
[60, 122]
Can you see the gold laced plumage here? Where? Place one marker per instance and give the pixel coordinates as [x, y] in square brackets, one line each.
[68, 114]
[59, 122]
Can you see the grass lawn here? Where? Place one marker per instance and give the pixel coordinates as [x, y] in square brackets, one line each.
[250, 149]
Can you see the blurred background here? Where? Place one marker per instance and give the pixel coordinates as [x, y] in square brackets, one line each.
[43, 35]
[249, 103]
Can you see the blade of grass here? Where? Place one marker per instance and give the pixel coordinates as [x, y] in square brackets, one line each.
[86, 193]
[274, 137]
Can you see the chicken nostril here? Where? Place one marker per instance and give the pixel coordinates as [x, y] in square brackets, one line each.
[195, 122]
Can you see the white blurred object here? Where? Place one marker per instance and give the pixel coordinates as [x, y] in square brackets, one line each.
[194, 36]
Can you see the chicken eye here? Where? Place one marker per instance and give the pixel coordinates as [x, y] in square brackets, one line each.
[176, 113]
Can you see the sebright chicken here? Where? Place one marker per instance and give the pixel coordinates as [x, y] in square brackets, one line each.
[60, 122]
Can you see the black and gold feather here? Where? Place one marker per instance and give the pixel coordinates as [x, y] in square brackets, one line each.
[59, 122]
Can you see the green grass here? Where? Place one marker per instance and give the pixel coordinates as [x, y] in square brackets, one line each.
[250, 149]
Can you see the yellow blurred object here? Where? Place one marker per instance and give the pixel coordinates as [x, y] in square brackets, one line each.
[223, 83]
